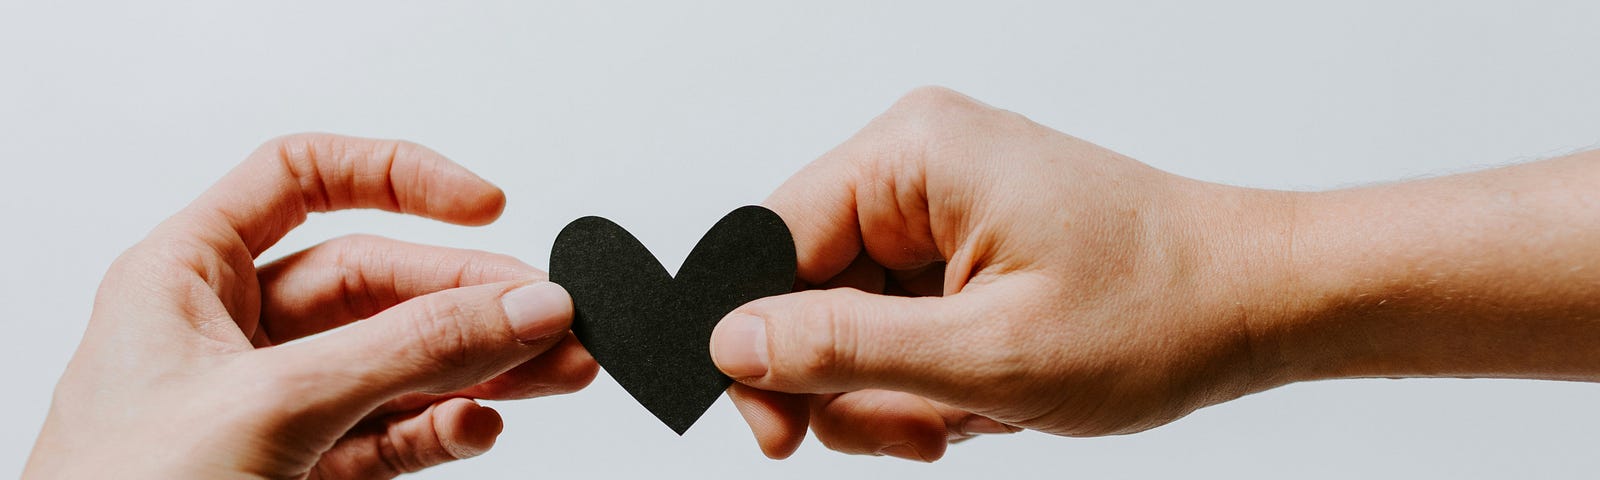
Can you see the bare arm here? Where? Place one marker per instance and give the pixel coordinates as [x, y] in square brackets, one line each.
[973, 272]
[1487, 274]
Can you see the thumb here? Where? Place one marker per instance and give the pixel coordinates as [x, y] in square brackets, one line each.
[839, 340]
[435, 343]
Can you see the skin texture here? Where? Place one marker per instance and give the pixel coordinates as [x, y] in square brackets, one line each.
[187, 369]
[967, 272]
[972, 272]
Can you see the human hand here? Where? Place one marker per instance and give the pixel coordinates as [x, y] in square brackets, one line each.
[195, 362]
[1001, 275]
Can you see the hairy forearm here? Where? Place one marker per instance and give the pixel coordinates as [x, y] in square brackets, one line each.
[1488, 274]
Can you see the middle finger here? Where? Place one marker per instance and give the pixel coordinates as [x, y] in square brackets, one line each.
[355, 277]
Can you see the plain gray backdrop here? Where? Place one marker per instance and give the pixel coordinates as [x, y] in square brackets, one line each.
[665, 115]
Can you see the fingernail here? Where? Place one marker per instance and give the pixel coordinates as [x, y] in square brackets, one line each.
[985, 426]
[739, 346]
[538, 310]
[904, 451]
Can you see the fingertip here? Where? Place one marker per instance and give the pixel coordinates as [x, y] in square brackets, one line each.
[538, 311]
[571, 367]
[450, 191]
[482, 203]
[583, 368]
[777, 420]
[880, 422]
[494, 205]
[739, 346]
[781, 449]
[818, 205]
[468, 429]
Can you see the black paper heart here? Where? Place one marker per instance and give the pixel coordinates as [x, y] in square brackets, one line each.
[651, 331]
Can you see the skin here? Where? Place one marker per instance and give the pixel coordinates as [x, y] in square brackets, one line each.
[972, 272]
[190, 366]
[967, 272]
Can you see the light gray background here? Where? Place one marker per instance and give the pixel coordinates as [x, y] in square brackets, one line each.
[665, 115]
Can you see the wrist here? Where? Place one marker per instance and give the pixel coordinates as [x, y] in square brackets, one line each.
[1367, 266]
[1488, 274]
[1247, 286]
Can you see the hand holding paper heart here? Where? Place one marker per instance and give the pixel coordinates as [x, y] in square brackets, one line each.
[1004, 275]
[1001, 275]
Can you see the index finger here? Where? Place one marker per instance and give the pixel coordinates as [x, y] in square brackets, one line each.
[871, 194]
[290, 177]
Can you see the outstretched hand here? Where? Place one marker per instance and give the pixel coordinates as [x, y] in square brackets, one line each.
[191, 367]
[973, 272]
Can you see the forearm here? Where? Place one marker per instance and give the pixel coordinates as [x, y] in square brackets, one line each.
[1488, 274]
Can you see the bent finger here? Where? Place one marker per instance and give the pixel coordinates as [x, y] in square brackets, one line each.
[355, 277]
[563, 369]
[897, 424]
[778, 420]
[883, 191]
[435, 343]
[292, 176]
[880, 422]
[450, 430]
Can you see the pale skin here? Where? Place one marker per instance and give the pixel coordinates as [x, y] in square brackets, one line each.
[185, 370]
[974, 272]
[969, 272]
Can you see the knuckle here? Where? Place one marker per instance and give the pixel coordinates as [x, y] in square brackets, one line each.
[414, 159]
[299, 150]
[491, 267]
[917, 132]
[405, 166]
[147, 259]
[440, 325]
[577, 379]
[297, 138]
[928, 118]
[323, 164]
[933, 117]
[351, 253]
[395, 453]
[351, 257]
[933, 97]
[922, 123]
[434, 449]
[404, 147]
[837, 441]
[822, 349]
[297, 154]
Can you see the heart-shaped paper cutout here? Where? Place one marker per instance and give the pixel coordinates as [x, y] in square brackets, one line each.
[651, 331]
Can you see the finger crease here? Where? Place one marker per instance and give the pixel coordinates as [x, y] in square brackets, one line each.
[389, 453]
[389, 178]
[302, 165]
